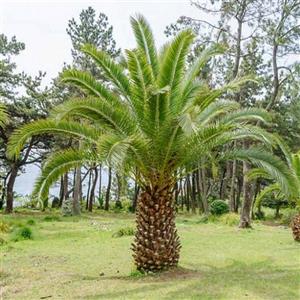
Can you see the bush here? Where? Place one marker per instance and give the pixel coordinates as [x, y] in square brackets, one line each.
[4, 227]
[31, 222]
[126, 231]
[230, 219]
[219, 207]
[67, 207]
[23, 233]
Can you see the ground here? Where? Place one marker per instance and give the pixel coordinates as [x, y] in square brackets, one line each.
[81, 258]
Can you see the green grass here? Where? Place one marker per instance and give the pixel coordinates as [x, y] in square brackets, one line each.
[78, 258]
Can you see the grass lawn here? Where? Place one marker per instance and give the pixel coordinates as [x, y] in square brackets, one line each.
[78, 258]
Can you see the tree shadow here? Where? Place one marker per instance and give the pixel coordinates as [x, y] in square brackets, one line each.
[263, 279]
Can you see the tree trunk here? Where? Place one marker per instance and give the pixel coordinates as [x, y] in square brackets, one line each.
[233, 186]
[245, 217]
[88, 190]
[156, 245]
[61, 191]
[77, 192]
[107, 195]
[10, 189]
[100, 182]
[93, 188]
[66, 186]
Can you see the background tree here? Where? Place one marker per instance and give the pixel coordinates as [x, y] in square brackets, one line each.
[22, 107]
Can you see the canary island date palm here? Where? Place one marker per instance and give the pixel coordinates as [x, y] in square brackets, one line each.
[293, 161]
[154, 116]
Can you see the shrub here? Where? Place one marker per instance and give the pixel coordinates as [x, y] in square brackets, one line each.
[219, 207]
[230, 219]
[31, 222]
[207, 219]
[23, 233]
[51, 218]
[288, 216]
[4, 227]
[136, 274]
[126, 231]
[67, 207]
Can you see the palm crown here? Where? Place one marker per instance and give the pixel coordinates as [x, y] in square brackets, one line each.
[155, 114]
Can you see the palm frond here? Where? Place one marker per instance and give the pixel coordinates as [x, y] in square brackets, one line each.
[57, 165]
[271, 164]
[3, 115]
[89, 85]
[112, 71]
[100, 112]
[22, 135]
[144, 38]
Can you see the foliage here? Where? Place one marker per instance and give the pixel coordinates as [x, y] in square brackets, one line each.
[67, 207]
[169, 118]
[31, 222]
[126, 231]
[288, 215]
[219, 207]
[230, 219]
[4, 227]
[22, 233]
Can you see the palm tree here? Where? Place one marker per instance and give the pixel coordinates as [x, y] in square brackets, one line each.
[278, 186]
[155, 116]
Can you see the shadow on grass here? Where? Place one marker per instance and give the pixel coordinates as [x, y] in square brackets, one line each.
[262, 279]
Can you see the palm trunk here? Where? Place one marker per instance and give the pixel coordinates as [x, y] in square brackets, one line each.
[156, 245]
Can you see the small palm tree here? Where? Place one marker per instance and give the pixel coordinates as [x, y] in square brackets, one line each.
[155, 116]
[293, 161]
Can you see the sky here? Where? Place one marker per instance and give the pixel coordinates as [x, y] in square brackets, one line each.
[41, 25]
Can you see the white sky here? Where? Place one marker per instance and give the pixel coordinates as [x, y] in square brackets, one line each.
[41, 25]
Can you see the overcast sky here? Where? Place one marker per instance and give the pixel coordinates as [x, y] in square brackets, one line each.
[41, 25]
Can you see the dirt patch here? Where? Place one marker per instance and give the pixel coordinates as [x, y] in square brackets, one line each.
[172, 274]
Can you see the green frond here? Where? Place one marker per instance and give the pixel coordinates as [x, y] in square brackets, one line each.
[248, 114]
[117, 150]
[215, 109]
[173, 65]
[201, 61]
[101, 113]
[272, 165]
[22, 135]
[87, 83]
[57, 165]
[206, 96]
[3, 115]
[112, 71]
[144, 38]
[267, 190]
[141, 78]
[256, 173]
[296, 166]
